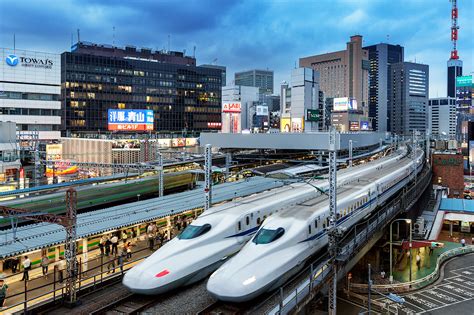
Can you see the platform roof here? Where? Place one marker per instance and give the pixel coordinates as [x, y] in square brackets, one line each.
[288, 141]
[457, 205]
[36, 236]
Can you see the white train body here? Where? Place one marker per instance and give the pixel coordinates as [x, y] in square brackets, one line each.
[287, 239]
[223, 230]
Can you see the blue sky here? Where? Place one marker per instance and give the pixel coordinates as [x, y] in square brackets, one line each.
[246, 34]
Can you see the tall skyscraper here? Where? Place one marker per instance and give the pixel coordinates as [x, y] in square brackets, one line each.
[263, 79]
[454, 71]
[381, 56]
[343, 73]
[409, 97]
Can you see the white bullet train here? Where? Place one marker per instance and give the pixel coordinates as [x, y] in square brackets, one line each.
[223, 230]
[287, 239]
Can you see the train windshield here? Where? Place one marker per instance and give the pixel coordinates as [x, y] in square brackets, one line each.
[193, 231]
[265, 236]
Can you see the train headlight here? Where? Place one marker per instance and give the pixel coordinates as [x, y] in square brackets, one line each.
[249, 280]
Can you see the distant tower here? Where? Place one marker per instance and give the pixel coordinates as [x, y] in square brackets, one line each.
[454, 63]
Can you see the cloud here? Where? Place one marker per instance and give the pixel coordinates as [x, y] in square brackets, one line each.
[244, 34]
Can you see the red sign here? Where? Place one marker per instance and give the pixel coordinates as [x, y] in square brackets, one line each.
[214, 125]
[131, 127]
[231, 107]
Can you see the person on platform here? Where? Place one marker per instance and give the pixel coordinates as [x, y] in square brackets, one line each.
[15, 263]
[463, 242]
[114, 240]
[102, 241]
[45, 265]
[418, 261]
[124, 237]
[3, 291]
[128, 249]
[111, 265]
[61, 267]
[26, 269]
[120, 260]
[108, 244]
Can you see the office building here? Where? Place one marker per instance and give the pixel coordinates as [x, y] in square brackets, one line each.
[454, 71]
[263, 79]
[30, 88]
[247, 97]
[222, 68]
[442, 117]
[98, 78]
[343, 73]
[347, 116]
[465, 106]
[10, 164]
[409, 97]
[305, 110]
[381, 56]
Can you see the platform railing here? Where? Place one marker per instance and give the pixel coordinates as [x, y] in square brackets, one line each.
[353, 240]
[402, 287]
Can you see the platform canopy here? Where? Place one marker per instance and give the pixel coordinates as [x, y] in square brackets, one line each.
[289, 141]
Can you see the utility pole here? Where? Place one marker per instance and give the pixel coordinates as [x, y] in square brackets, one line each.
[208, 176]
[332, 232]
[70, 249]
[160, 175]
[350, 153]
[369, 302]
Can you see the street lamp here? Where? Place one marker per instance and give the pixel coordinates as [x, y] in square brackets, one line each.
[408, 221]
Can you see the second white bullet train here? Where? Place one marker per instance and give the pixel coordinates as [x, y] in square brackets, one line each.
[287, 239]
[223, 230]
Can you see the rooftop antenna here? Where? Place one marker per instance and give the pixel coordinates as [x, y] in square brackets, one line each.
[388, 38]
[78, 35]
[194, 51]
[113, 36]
[169, 42]
[72, 40]
[14, 42]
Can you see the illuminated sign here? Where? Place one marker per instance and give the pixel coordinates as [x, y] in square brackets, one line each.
[130, 119]
[234, 107]
[285, 124]
[343, 104]
[312, 115]
[353, 125]
[214, 125]
[466, 80]
[54, 151]
[364, 125]
[13, 60]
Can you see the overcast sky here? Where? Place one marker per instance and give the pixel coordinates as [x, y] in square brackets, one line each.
[246, 34]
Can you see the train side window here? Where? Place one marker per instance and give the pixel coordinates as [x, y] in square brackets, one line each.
[247, 220]
[324, 225]
[239, 226]
[258, 221]
[315, 224]
[309, 229]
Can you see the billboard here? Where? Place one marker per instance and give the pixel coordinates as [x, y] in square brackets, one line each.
[312, 115]
[54, 151]
[178, 142]
[232, 107]
[285, 124]
[353, 125]
[130, 119]
[466, 80]
[297, 124]
[262, 110]
[364, 125]
[341, 104]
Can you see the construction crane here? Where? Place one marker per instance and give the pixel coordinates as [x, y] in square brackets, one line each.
[454, 29]
[68, 221]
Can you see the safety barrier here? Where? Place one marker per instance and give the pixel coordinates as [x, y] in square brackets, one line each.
[318, 273]
[418, 283]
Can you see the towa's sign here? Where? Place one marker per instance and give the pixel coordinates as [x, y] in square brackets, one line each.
[32, 62]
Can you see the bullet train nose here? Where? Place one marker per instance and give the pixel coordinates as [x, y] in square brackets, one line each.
[144, 280]
[234, 288]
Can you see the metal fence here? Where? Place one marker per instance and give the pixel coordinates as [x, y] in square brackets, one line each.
[353, 240]
[418, 283]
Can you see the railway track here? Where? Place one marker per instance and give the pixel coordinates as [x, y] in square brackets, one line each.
[129, 304]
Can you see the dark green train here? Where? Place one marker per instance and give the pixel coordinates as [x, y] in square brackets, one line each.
[91, 196]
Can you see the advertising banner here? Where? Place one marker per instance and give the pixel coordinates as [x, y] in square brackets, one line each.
[262, 110]
[130, 119]
[364, 125]
[312, 115]
[342, 104]
[54, 151]
[353, 125]
[285, 124]
[233, 107]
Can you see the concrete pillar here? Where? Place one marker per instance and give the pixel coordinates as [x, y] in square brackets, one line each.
[85, 256]
[56, 253]
[451, 228]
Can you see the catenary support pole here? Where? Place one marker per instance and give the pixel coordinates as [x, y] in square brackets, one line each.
[208, 177]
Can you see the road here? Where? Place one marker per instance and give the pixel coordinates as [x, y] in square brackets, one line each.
[453, 293]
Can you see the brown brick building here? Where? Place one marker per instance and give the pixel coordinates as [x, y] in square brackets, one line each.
[448, 171]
